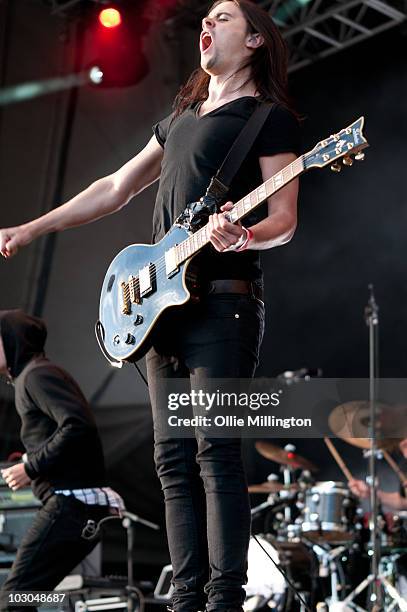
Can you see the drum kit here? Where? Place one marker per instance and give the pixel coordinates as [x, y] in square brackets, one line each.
[315, 536]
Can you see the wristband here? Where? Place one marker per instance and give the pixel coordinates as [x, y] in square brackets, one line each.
[236, 246]
[245, 244]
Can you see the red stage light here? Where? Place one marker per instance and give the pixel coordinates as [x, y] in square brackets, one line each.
[110, 18]
[290, 455]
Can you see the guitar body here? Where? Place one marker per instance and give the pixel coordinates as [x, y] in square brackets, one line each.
[126, 335]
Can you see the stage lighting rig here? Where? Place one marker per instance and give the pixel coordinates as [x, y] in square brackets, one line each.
[113, 33]
[111, 10]
[114, 41]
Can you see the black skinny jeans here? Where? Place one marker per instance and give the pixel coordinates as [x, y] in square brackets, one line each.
[203, 479]
[51, 548]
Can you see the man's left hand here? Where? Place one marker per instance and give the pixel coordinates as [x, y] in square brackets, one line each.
[222, 233]
[16, 477]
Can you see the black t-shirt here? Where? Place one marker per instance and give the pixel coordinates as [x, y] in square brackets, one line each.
[403, 488]
[194, 149]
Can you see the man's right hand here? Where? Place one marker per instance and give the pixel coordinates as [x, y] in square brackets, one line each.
[16, 477]
[359, 488]
[13, 238]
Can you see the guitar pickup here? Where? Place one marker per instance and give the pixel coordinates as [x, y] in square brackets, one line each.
[146, 280]
[171, 262]
[134, 288]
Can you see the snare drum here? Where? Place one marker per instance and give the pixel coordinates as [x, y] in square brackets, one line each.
[329, 513]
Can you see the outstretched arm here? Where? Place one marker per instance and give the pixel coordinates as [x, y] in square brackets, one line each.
[103, 197]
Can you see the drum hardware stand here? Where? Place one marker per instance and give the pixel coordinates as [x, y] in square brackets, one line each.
[376, 579]
[398, 600]
[270, 503]
[288, 481]
[274, 500]
[383, 579]
[128, 522]
[327, 567]
[263, 506]
[271, 499]
[133, 593]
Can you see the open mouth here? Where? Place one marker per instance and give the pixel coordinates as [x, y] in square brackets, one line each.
[206, 41]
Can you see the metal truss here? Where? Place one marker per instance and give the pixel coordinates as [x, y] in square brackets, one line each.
[64, 7]
[319, 28]
[315, 29]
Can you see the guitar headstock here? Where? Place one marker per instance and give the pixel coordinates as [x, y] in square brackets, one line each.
[348, 144]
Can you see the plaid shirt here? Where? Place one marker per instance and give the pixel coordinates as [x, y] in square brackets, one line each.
[104, 496]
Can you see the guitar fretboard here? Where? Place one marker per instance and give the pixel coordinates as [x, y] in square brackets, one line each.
[200, 238]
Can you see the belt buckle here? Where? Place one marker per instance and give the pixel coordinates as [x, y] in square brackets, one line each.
[211, 287]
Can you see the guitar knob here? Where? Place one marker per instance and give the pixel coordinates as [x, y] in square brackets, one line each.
[360, 156]
[347, 161]
[138, 320]
[336, 167]
[130, 339]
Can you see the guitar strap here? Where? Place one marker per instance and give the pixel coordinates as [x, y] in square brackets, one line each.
[220, 183]
[196, 214]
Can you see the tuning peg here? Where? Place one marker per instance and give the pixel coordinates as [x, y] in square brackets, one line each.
[360, 156]
[336, 167]
[347, 161]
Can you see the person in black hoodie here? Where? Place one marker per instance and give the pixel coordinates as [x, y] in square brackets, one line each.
[63, 461]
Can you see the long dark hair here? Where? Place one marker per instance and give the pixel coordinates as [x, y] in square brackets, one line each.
[268, 63]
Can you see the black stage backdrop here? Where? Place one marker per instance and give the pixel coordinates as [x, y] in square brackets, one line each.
[351, 226]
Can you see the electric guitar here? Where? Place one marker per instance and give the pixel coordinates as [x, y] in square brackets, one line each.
[144, 280]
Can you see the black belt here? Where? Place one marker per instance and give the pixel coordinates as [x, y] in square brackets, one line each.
[244, 287]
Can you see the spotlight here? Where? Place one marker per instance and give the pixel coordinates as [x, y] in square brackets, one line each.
[96, 75]
[110, 18]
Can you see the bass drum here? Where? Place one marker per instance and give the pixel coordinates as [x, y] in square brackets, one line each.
[266, 587]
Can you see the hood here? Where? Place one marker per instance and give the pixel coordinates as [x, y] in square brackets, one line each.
[23, 338]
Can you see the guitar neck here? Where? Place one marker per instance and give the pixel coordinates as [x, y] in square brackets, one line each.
[194, 243]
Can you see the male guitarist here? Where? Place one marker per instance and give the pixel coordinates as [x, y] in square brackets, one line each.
[243, 62]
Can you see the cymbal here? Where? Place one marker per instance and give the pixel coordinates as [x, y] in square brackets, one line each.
[351, 422]
[279, 455]
[271, 487]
